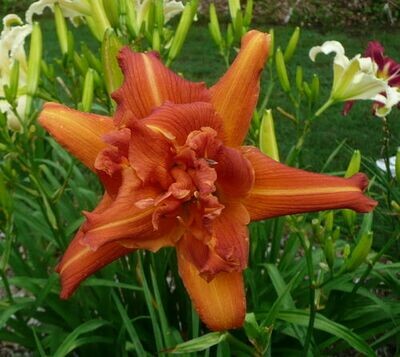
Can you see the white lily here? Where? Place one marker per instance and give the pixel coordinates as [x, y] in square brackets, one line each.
[354, 78]
[388, 101]
[12, 40]
[72, 9]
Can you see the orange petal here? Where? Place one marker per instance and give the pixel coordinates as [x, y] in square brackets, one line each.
[80, 133]
[221, 303]
[149, 84]
[79, 262]
[150, 154]
[222, 247]
[177, 121]
[234, 171]
[280, 190]
[124, 218]
[236, 93]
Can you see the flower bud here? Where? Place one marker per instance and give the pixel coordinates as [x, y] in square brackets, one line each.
[100, 18]
[109, 50]
[156, 42]
[88, 89]
[248, 13]
[271, 43]
[360, 252]
[314, 88]
[268, 144]
[61, 29]
[299, 78]
[81, 63]
[318, 230]
[34, 65]
[181, 32]
[131, 18]
[353, 167]
[307, 91]
[159, 14]
[329, 251]
[281, 70]
[329, 217]
[213, 26]
[238, 26]
[292, 44]
[234, 8]
[346, 251]
[354, 164]
[395, 206]
[336, 234]
[397, 165]
[112, 10]
[92, 59]
[12, 91]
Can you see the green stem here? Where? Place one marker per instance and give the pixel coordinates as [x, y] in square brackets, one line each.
[313, 310]
[325, 106]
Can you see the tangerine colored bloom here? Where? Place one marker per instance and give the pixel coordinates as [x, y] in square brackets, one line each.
[175, 174]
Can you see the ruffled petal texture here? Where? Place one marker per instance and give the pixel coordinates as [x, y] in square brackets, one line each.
[235, 95]
[281, 190]
[79, 133]
[149, 84]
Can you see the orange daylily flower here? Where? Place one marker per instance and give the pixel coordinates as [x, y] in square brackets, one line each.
[175, 174]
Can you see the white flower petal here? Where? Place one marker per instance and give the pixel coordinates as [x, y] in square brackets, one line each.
[171, 9]
[327, 48]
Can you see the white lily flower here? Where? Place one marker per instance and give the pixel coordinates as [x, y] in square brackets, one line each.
[72, 9]
[354, 78]
[388, 101]
[12, 40]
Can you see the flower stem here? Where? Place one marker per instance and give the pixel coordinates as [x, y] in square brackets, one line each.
[325, 106]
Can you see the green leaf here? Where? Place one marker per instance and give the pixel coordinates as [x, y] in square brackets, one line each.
[199, 343]
[322, 323]
[69, 343]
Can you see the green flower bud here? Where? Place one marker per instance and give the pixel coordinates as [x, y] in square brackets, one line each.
[112, 10]
[238, 26]
[81, 63]
[267, 143]
[329, 251]
[234, 8]
[92, 59]
[346, 251]
[34, 65]
[292, 44]
[299, 78]
[11, 92]
[318, 230]
[360, 252]
[329, 218]
[307, 91]
[88, 89]
[315, 88]
[395, 206]
[336, 234]
[248, 13]
[61, 29]
[181, 32]
[131, 19]
[112, 72]
[213, 26]
[271, 43]
[100, 18]
[281, 70]
[159, 15]
[156, 43]
[354, 164]
[229, 36]
[397, 165]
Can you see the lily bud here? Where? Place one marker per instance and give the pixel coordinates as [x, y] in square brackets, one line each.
[299, 78]
[92, 59]
[100, 18]
[271, 43]
[109, 50]
[397, 165]
[159, 14]
[307, 91]
[234, 8]
[112, 10]
[346, 251]
[14, 80]
[268, 144]
[61, 29]
[329, 217]
[88, 89]
[352, 169]
[213, 26]
[292, 44]
[395, 206]
[181, 32]
[131, 18]
[315, 88]
[81, 63]
[318, 230]
[329, 251]
[229, 36]
[354, 164]
[360, 252]
[238, 26]
[281, 70]
[156, 42]
[248, 13]
[34, 64]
